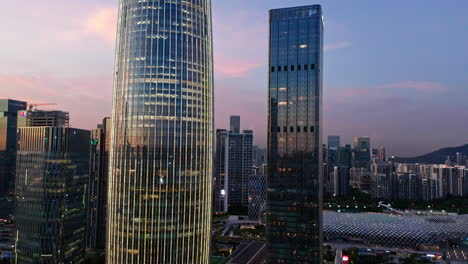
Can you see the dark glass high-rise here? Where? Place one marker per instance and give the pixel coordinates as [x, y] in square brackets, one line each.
[8, 125]
[294, 181]
[160, 174]
[52, 172]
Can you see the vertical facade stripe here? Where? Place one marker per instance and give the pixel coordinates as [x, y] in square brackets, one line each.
[160, 159]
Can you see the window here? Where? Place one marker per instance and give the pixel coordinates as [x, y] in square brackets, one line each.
[292, 67]
[305, 67]
[312, 66]
[279, 129]
[286, 68]
[312, 129]
[285, 129]
[291, 129]
[298, 67]
[279, 68]
[273, 69]
[305, 129]
[298, 129]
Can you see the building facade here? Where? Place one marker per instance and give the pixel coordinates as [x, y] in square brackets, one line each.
[41, 118]
[294, 181]
[233, 168]
[362, 152]
[97, 190]
[52, 173]
[8, 124]
[257, 191]
[160, 174]
[341, 181]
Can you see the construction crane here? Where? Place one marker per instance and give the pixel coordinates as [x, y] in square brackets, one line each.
[33, 106]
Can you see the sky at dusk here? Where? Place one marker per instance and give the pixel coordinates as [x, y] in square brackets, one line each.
[396, 71]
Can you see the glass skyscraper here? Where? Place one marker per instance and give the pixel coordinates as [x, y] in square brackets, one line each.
[160, 175]
[8, 124]
[294, 181]
[52, 173]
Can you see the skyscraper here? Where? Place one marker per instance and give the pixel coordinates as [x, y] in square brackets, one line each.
[8, 124]
[362, 152]
[294, 183]
[330, 159]
[52, 171]
[160, 174]
[234, 124]
[341, 180]
[257, 191]
[233, 169]
[333, 142]
[97, 186]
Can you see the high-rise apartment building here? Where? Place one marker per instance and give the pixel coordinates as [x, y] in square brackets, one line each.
[97, 186]
[233, 169]
[362, 152]
[160, 174]
[294, 181]
[52, 173]
[8, 124]
[41, 118]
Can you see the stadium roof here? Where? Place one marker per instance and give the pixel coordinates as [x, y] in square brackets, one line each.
[394, 230]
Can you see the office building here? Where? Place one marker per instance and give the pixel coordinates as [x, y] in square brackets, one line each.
[294, 180]
[41, 118]
[257, 193]
[330, 159]
[234, 124]
[160, 174]
[52, 173]
[344, 156]
[362, 152]
[259, 156]
[341, 180]
[333, 142]
[8, 124]
[97, 186]
[233, 169]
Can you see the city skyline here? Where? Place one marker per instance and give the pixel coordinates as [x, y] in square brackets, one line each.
[417, 89]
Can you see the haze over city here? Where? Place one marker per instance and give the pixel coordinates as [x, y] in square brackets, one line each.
[401, 80]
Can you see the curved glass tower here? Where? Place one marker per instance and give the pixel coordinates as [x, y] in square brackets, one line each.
[160, 162]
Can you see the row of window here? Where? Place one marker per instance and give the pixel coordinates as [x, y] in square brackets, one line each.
[293, 67]
[297, 129]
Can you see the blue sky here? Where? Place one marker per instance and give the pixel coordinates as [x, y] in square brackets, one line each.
[394, 70]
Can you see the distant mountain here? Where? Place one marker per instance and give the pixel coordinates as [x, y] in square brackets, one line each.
[438, 156]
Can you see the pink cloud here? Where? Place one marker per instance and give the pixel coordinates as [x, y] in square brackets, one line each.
[420, 86]
[240, 44]
[338, 45]
[228, 67]
[101, 23]
[424, 86]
